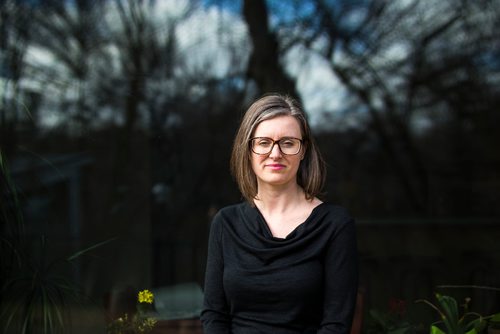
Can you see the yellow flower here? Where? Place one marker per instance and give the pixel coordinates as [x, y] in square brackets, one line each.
[139, 323]
[145, 296]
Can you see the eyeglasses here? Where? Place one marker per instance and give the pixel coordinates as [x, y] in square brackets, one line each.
[264, 145]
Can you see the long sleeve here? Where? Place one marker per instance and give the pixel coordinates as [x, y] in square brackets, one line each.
[215, 317]
[341, 280]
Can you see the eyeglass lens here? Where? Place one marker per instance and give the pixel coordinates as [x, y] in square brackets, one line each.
[288, 146]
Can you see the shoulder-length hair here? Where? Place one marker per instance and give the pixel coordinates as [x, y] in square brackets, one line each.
[312, 171]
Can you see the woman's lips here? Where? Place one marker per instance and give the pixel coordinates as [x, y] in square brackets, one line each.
[276, 166]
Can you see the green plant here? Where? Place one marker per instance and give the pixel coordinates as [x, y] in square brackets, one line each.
[494, 321]
[35, 290]
[38, 295]
[11, 223]
[140, 322]
[452, 320]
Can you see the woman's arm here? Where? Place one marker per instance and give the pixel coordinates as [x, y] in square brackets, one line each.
[214, 316]
[341, 280]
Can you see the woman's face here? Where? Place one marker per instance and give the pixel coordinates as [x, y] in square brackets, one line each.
[276, 168]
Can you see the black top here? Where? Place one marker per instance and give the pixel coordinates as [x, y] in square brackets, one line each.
[256, 283]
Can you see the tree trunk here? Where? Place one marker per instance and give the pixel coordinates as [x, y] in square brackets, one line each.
[264, 67]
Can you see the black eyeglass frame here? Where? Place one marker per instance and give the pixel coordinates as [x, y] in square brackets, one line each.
[301, 142]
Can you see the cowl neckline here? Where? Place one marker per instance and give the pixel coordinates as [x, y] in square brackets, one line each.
[257, 223]
[266, 231]
[257, 241]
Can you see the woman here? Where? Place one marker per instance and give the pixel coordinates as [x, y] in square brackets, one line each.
[283, 261]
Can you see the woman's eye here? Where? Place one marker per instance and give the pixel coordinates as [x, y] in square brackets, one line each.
[264, 143]
[287, 143]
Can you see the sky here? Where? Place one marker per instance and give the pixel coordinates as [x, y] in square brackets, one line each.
[213, 38]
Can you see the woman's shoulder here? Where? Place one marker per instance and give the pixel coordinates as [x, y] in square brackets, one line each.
[333, 207]
[232, 209]
[231, 212]
[335, 212]
[233, 217]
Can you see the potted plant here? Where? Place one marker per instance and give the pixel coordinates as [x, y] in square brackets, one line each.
[452, 321]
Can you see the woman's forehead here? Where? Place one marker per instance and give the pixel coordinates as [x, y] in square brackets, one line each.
[281, 126]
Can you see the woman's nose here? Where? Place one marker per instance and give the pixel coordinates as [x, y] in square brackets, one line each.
[275, 151]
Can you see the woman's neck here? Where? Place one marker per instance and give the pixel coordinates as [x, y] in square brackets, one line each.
[278, 200]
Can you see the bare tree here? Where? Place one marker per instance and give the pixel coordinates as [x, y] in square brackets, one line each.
[404, 62]
[72, 35]
[15, 104]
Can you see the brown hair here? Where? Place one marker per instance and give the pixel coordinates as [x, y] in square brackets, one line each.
[312, 171]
